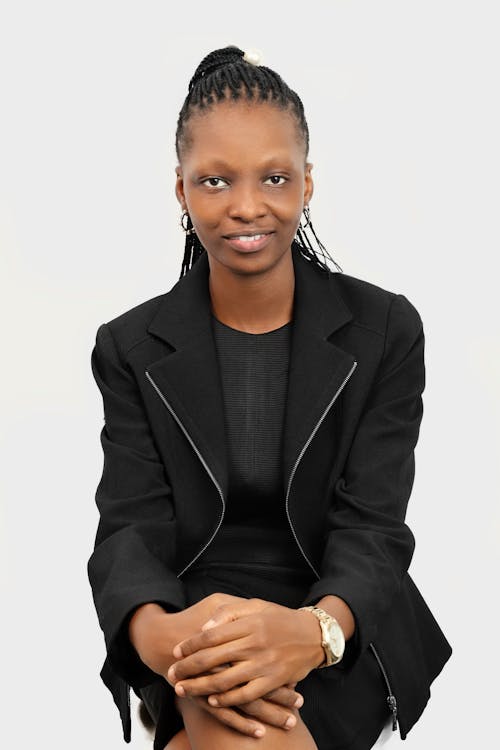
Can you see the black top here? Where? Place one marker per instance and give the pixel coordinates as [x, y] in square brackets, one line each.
[254, 375]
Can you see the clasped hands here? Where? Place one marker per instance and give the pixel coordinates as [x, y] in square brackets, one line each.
[247, 649]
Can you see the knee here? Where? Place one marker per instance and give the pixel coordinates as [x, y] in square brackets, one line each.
[180, 741]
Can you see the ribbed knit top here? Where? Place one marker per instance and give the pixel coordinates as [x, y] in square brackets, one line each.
[254, 375]
[254, 372]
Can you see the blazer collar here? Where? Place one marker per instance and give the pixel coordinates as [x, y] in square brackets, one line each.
[189, 377]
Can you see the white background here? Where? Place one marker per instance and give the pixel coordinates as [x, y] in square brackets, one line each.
[402, 104]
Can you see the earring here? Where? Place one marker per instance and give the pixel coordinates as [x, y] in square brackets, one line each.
[193, 247]
[189, 226]
[305, 244]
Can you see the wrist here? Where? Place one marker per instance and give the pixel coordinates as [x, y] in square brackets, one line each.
[313, 638]
[338, 608]
[142, 618]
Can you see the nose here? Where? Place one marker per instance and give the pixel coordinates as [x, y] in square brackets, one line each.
[247, 203]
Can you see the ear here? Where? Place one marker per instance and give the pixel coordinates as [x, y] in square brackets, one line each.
[308, 183]
[179, 188]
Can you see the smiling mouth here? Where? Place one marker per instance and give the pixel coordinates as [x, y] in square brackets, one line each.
[249, 242]
[247, 237]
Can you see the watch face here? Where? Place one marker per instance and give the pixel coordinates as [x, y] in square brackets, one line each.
[336, 639]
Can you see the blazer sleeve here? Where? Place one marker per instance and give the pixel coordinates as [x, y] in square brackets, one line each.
[369, 546]
[133, 558]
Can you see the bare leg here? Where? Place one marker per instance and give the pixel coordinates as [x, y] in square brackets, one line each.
[180, 741]
[205, 732]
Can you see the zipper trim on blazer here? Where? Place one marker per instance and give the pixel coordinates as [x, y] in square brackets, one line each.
[316, 427]
[391, 698]
[299, 458]
[202, 461]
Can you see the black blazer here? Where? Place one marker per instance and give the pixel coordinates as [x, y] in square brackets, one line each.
[352, 421]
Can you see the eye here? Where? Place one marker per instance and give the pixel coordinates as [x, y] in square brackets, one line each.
[278, 177]
[213, 179]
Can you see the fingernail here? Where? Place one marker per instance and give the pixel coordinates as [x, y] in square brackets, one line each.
[259, 732]
[180, 690]
[299, 702]
[208, 624]
[177, 652]
[171, 673]
[213, 701]
[290, 722]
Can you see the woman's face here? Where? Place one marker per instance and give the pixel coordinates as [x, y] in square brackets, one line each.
[244, 173]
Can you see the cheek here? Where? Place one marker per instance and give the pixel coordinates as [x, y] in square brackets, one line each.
[290, 202]
[290, 216]
[288, 206]
[205, 215]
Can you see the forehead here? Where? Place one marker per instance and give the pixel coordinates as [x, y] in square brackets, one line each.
[243, 130]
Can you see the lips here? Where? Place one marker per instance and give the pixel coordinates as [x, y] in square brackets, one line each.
[249, 237]
[247, 233]
[249, 244]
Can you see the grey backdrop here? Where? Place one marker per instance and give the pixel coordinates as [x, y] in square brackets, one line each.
[402, 104]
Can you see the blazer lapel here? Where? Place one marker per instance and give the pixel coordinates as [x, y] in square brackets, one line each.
[318, 367]
[189, 377]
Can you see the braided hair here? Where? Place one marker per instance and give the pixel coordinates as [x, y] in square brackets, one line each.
[225, 74]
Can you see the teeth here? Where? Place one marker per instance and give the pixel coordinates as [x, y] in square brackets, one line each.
[249, 237]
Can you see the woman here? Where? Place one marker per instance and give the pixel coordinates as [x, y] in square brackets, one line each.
[260, 425]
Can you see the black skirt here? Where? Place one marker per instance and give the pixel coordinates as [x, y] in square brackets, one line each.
[347, 715]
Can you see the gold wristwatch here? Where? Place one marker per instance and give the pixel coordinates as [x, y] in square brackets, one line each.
[332, 636]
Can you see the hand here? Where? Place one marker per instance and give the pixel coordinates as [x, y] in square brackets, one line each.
[270, 708]
[268, 645]
[250, 717]
[152, 632]
[219, 614]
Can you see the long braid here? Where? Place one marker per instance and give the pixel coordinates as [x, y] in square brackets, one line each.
[223, 74]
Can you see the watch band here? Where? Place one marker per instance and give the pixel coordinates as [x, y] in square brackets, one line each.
[325, 621]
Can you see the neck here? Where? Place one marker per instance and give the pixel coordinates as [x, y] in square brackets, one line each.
[254, 303]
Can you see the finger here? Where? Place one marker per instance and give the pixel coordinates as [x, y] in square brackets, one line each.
[285, 697]
[219, 682]
[207, 659]
[253, 689]
[231, 718]
[270, 713]
[213, 637]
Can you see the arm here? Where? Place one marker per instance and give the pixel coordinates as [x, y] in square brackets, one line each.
[369, 546]
[133, 558]
[139, 600]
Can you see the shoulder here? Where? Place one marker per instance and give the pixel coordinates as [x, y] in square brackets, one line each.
[129, 327]
[375, 307]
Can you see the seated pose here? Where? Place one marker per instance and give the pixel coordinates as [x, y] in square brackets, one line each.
[250, 567]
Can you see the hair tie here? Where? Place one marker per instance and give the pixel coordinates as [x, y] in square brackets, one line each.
[253, 56]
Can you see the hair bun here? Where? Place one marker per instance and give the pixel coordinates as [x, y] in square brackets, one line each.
[253, 56]
[214, 60]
